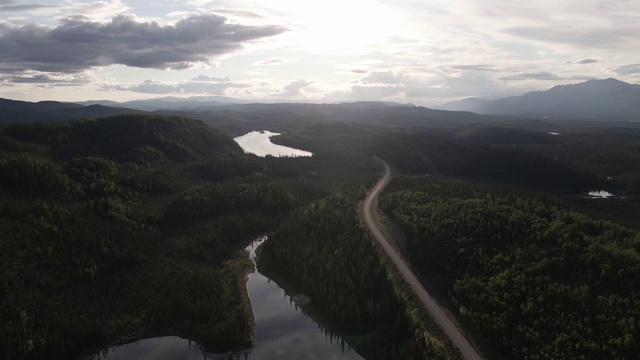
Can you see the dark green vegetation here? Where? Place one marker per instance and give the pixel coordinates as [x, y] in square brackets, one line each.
[536, 279]
[333, 261]
[128, 227]
[535, 273]
[133, 226]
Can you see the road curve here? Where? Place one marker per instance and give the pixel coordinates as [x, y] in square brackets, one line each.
[458, 340]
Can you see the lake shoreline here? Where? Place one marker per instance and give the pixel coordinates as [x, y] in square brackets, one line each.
[309, 310]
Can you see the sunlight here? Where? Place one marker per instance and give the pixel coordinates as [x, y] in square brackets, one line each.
[343, 27]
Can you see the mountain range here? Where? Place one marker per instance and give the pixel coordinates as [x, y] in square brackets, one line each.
[598, 100]
[170, 103]
[605, 101]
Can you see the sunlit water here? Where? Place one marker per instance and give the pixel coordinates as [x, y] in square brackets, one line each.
[600, 194]
[283, 331]
[258, 142]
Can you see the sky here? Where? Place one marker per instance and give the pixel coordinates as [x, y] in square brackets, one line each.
[424, 52]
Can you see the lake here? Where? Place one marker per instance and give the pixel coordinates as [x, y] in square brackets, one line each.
[283, 331]
[599, 194]
[258, 143]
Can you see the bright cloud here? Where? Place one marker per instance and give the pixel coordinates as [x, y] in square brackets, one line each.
[420, 51]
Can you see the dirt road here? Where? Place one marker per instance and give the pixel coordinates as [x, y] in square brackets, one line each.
[458, 340]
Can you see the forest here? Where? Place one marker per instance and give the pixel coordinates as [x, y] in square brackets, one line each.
[133, 226]
[335, 263]
[116, 229]
[530, 275]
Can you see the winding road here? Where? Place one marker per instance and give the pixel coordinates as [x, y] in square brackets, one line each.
[458, 340]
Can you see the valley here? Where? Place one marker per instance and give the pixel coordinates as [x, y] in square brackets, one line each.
[134, 226]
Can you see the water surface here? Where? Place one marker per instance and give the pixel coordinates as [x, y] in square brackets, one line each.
[600, 194]
[258, 142]
[283, 331]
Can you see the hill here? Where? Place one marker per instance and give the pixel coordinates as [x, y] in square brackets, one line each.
[603, 100]
[24, 112]
[116, 229]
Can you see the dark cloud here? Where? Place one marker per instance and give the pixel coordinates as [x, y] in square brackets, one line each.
[77, 45]
[587, 61]
[630, 69]
[189, 87]
[358, 71]
[294, 88]
[36, 79]
[44, 79]
[17, 8]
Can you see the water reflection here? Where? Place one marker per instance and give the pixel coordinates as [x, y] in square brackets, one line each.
[165, 348]
[283, 331]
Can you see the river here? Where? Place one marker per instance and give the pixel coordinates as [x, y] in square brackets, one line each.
[283, 331]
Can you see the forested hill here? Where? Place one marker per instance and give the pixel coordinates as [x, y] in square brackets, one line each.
[128, 138]
[116, 229]
[24, 112]
[533, 278]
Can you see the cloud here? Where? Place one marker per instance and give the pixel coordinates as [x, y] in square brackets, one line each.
[51, 79]
[195, 86]
[477, 67]
[358, 71]
[77, 45]
[382, 77]
[210, 78]
[630, 69]
[239, 13]
[579, 36]
[18, 8]
[542, 75]
[587, 61]
[294, 88]
[274, 61]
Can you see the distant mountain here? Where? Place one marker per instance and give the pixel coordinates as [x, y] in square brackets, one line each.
[602, 100]
[198, 103]
[14, 112]
[370, 113]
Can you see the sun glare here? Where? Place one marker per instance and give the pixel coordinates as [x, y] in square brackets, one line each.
[334, 27]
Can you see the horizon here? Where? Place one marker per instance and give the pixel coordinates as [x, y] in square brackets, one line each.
[226, 100]
[285, 52]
